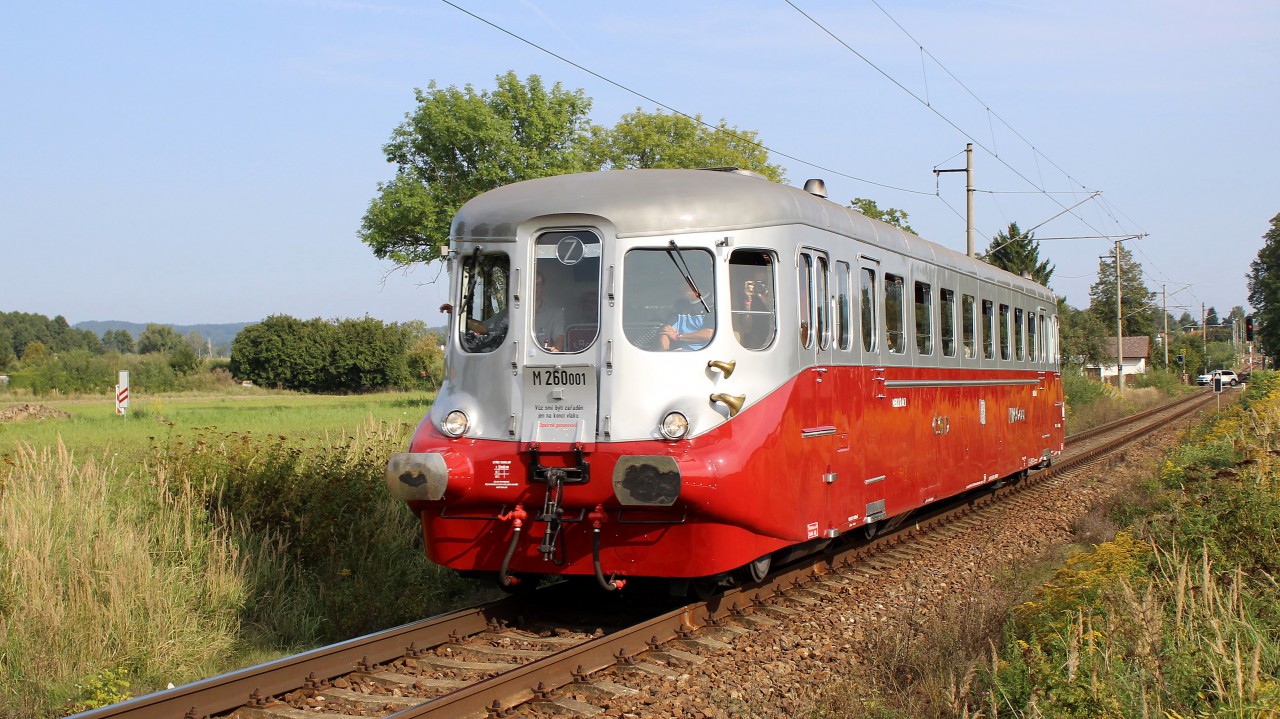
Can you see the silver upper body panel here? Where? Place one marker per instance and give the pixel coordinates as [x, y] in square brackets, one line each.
[641, 203]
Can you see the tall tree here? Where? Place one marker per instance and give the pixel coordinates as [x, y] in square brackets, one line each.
[119, 340]
[458, 143]
[891, 215]
[1019, 253]
[1136, 302]
[1081, 336]
[1264, 291]
[658, 140]
[158, 338]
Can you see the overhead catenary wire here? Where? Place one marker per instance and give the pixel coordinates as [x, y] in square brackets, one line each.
[671, 109]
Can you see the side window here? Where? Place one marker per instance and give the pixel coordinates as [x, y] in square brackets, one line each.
[1044, 340]
[947, 321]
[870, 328]
[822, 303]
[566, 308]
[1004, 331]
[894, 289]
[483, 309]
[751, 280]
[805, 281]
[844, 313]
[924, 318]
[968, 327]
[661, 311]
[988, 329]
[1019, 342]
[1031, 337]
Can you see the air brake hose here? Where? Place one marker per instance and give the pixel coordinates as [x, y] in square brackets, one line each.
[597, 519]
[517, 516]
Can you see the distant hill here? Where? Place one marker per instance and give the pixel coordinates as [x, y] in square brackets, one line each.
[220, 335]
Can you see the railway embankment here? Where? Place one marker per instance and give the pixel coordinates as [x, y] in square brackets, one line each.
[1152, 592]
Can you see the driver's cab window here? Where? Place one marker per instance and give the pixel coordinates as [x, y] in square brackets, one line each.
[668, 298]
[565, 316]
[483, 307]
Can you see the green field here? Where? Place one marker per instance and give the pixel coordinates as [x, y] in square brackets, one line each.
[95, 428]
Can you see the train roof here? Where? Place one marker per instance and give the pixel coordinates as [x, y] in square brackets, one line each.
[642, 203]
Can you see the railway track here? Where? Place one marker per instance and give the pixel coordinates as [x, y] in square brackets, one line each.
[553, 653]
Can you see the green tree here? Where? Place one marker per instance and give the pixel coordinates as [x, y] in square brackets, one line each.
[118, 340]
[322, 356]
[156, 338]
[1186, 321]
[1264, 291]
[426, 360]
[658, 140]
[459, 143]
[893, 216]
[1018, 252]
[1081, 336]
[1136, 300]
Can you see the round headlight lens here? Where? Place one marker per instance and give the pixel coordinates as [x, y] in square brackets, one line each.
[455, 423]
[675, 426]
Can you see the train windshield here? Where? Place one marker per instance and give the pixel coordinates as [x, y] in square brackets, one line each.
[482, 311]
[566, 311]
[661, 309]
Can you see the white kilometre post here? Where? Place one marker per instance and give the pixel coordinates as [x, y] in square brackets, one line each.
[122, 392]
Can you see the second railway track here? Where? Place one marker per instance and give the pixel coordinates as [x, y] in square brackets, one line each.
[553, 652]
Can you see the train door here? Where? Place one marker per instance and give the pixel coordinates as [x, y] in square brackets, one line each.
[816, 391]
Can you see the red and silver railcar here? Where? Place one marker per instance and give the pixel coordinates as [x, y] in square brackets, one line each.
[686, 373]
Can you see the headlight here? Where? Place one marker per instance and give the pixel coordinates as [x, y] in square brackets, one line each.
[455, 423]
[674, 426]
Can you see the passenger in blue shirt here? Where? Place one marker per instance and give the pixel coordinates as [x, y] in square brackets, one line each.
[691, 327]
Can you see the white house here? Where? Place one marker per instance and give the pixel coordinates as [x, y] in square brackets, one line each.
[1137, 357]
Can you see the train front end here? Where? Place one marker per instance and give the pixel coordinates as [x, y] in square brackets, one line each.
[583, 426]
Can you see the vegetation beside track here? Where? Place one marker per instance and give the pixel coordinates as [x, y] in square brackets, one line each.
[1172, 616]
[197, 536]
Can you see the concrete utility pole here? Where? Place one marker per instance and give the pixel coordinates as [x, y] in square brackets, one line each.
[1164, 307]
[1204, 335]
[968, 192]
[1119, 328]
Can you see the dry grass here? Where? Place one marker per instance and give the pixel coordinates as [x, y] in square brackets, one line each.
[103, 570]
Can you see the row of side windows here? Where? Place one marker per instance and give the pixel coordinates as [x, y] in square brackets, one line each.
[1019, 334]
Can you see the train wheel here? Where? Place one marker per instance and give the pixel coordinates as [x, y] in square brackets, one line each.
[757, 571]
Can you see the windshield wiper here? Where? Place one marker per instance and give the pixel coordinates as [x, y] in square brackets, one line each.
[674, 251]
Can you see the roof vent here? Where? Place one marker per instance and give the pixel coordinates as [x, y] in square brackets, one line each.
[816, 187]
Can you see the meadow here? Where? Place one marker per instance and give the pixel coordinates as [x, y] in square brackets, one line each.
[199, 534]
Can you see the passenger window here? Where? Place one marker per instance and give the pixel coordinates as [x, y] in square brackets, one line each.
[988, 329]
[483, 309]
[924, 318]
[844, 314]
[967, 326]
[651, 280]
[822, 301]
[806, 300]
[1044, 340]
[566, 307]
[1004, 332]
[1018, 338]
[947, 321]
[894, 289]
[1031, 337]
[870, 330]
[751, 278]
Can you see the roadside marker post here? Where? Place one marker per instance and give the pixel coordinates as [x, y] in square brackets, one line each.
[122, 392]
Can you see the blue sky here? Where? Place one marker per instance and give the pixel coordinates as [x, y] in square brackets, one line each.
[186, 163]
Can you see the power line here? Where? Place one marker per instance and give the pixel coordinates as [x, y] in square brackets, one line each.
[939, 114]
[673, 110]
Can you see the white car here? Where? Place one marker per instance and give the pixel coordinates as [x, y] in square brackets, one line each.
[1229, 378]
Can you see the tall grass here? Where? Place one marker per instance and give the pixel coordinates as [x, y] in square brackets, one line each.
[217, 550]
[106, 571]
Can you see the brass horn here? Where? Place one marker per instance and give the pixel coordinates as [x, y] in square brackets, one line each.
[726, 368]
[732, 401]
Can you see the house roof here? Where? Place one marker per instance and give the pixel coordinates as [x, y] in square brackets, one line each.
[1134, 347]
